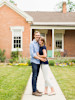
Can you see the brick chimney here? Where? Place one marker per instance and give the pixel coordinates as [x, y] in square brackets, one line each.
[64, 10]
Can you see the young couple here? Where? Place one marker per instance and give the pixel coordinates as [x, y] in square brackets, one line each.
[38, 55]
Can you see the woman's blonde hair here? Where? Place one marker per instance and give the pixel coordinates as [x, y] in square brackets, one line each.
[42, 39]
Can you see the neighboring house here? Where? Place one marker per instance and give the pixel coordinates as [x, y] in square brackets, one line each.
[17, 30]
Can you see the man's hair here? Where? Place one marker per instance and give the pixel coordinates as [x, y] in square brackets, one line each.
[36, 32]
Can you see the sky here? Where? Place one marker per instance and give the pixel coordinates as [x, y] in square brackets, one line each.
[38, 5]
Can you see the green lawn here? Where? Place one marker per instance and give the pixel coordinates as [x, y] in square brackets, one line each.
[13, 81]
[65, 77]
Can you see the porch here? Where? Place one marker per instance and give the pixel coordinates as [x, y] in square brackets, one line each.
[59, 39]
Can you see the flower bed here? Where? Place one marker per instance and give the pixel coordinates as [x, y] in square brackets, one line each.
[65, 64]
[18, 64]
[54, 62]
[62, 62]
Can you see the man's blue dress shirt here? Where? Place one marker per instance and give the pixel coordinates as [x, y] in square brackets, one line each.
[34, 48]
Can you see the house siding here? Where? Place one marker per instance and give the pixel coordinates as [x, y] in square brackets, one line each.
[8, 18]
[69, 42]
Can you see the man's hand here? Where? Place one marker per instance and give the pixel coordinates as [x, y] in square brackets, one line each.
[37, 53]
[43, 59]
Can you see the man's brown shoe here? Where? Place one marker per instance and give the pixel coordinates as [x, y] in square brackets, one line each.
[38, 91]
[36, 94]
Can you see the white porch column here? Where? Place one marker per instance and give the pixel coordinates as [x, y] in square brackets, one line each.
[52, 43]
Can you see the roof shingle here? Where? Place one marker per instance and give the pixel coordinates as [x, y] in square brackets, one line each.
[39, 16]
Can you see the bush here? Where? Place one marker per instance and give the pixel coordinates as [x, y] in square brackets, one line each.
[14, 54]
[29, 63]
[73, 60]
[11, 60]
[2, 55]
[51, 62]
[57, 53]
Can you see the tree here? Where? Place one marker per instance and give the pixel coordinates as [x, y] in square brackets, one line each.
[70, 6]
[12, 1]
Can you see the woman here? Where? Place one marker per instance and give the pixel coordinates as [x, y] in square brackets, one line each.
[45, 66]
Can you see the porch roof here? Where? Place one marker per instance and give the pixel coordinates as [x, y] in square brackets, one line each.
[52, 18]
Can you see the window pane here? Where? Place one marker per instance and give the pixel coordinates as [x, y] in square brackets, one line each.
[14, 45]
[43, 34]
[19, 46]
[17, 38]
[58, 44]
[19, 41]
[14, 37]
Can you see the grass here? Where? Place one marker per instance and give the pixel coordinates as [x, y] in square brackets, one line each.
[65, 77]
[13, 81]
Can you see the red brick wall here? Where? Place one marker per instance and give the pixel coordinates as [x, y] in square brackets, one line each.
[69, 42]
[8, 18]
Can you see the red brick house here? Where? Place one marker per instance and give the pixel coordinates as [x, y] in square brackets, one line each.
[17, 30]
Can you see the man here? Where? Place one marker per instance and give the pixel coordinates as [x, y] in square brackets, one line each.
[35, 61]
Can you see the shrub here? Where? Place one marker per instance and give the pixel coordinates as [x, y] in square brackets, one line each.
[2, 55]
[57, 54]
[14, 54]
[29, 63]
[11, 60]
[51, 62]
[73, 60]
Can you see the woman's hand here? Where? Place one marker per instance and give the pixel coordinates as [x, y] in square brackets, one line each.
[43, 59]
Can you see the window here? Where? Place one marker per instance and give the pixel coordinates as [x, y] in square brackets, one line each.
[59, 44]
[17, 38]
[59, 41]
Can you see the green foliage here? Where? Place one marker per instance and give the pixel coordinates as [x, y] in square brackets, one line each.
[2, 55]
[70, 6]
[57, 53]
[13, 81]
[12, 1]
[73, 60]
[29, 63]
[64, 60]
[14, 54]
[24, 60]
[11, 60]
[51, 62]
[65, 77]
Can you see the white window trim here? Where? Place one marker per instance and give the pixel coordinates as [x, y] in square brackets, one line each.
[22, 30]
[61, 50]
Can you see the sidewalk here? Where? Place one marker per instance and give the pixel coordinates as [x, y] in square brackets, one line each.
[28, 92]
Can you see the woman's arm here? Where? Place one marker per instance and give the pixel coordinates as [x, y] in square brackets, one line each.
[34, 54]
[44, 54]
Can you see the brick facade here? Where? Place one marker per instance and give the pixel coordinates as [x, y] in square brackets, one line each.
[9, 17]
[69, 42]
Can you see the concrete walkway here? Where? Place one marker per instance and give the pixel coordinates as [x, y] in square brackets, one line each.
[28, 92]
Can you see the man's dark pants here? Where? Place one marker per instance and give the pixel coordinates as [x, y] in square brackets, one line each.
[35, 72]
